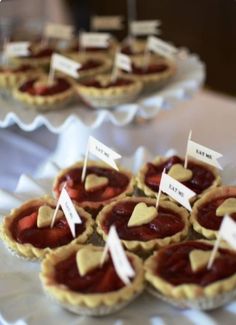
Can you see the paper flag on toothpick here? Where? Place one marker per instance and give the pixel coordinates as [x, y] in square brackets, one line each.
[144, 27]
[61, 31]
[107, 23]
[69, 210]
[203, 153]
[63, 64]
[123, 62]
[227, 232]
[121, 263]
[160, 47]
[102, 152]
[100, 40]
[179, 192]
[17, 49]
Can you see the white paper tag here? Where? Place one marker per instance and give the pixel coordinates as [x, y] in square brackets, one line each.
[144, 27]
[204, 154]
[69, 210]
[68, 66]
[100, 40]
[121, 263]
[103, 152]
[227, 231]
[163, 48]
[58, 31]
[17, 49]
[176, 190]
[123, 62]
[107, 23]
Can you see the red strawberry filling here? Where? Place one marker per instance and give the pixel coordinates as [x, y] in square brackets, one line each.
[117, 183]
[60, 85]
[167, 223]
[207, 214]
[24, 230]
[173, 265]
[202, 177]
[99, 280]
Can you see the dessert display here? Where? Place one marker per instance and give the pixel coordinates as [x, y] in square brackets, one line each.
[75, 278]
[140, 226]
[102, 184]
[208, 212]
[102, 92]
[91, 65]
[153, 72]
[13, 75]
[26, 230]
[198, 177]
[179, 274]
[43, 95]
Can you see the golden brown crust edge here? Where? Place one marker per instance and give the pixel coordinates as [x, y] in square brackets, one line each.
[186, 291]
[210, 195]
[64, 295]
[95, 205]
[28, 250]
[147, 246]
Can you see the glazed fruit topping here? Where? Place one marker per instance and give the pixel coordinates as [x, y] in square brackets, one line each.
[174, 265]
[202, 177]
[24, 230]
[166, 223]
[60, 85]
[117, 183]
[99, 280]
[207, 214]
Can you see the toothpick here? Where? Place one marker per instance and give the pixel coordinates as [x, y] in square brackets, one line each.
[186, 154]
[114, 73]
[85, 163]
[214, 251]
[159, 191]
[51, 74]
[56, 210]
[147, 57]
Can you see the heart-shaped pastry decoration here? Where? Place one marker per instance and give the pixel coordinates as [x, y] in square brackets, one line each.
[45, 214]
[227, 207]
[180, 173]
[94, 182]
[199, 258]
[142, 214]
[87, 259]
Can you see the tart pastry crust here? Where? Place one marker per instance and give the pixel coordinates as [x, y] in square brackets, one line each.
[96, 204]
[223, 191]
[153, 80]
[186, 290]
[93, 301]
[27, 249]
[10, 79]
[146, 246]
[140, 179]
[48, 102]
[110, 96]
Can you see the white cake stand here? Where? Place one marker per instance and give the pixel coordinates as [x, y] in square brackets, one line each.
[77, 122]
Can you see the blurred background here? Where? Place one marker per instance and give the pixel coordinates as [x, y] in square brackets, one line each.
[206, 27]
